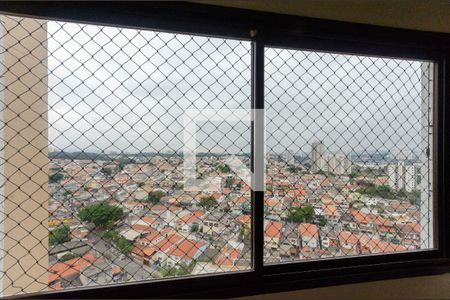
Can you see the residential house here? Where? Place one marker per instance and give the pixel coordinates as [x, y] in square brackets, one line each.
[185, 252]
[189, 222]
[272, 234]
[331, 214]
[309, 235]
[349, 243]
[290, 240]
[229, 255]
[218, 223]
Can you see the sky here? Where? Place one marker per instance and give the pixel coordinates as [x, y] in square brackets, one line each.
[125, 90]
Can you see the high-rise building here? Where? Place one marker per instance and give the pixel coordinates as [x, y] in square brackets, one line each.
[410, 178]
[402, 177]
[339, 164]
[318, 156]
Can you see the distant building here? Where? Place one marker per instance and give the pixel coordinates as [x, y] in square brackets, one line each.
[402, 176]
[339, 164]
[318, 162]
[288, 157]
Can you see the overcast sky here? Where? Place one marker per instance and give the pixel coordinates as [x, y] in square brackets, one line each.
[125, 90]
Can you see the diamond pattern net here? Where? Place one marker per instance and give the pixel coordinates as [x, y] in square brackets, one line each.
[349, 155]
[108, 164]
[92, 155]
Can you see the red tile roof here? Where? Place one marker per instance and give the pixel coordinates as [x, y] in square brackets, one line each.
[273, 229]
[187, 249]
[192, 217]
[227, 257]
[308, 230]
[70, 267]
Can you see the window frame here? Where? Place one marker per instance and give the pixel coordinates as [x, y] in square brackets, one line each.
[293, 32]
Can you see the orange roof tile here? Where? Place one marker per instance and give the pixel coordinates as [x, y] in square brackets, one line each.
[361, 217]
[273, 229]
[187, 249]
[348, 237]
[331, 210]
[192, 217]
[272, 202]
[308, 229]
[240, 200]
[149, 220]
[158, 208]
[69, 267]
[116, 270]
[243, 219]
[166, 243]
[227, 257]
[56, 286]
[380, 221]
[142, 228]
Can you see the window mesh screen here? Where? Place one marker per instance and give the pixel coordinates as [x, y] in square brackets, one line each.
[92, 134]
[349, 155]
[94, 188]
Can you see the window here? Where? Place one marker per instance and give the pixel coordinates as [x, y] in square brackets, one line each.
[132, 152]
[115, 208]
[349, 155]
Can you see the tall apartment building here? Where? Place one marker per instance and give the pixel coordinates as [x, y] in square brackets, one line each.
[337, 164]
[402, 176]
[318, 157]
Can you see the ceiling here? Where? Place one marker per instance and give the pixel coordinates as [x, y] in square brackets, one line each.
[427, 15]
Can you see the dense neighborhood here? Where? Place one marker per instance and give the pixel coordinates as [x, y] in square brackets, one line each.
[128, 217]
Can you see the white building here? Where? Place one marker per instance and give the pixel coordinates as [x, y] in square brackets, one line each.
[339, 164]
[402, 176]
[318, 157]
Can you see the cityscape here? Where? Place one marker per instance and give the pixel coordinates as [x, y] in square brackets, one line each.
[122, 217]
[105, 182]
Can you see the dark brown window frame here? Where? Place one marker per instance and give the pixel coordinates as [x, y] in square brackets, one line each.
[269, 29]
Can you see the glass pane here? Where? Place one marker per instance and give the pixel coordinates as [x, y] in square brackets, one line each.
[349, 143]
[95, 115]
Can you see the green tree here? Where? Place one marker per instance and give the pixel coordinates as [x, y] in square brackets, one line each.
[122, 244]
[107, 171]
[293, 169]
[55, 177]
[194, 228]
[304, 214]
[224, 168]
[245, 231]
[246, 207]
[67, 194]
[101, 214]
[155, 197]
[124, 162]
[414, 197]
[229, 182]
[179, 270]
[382, 191]
[59, 235]
[208, 202]
[322, 222]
